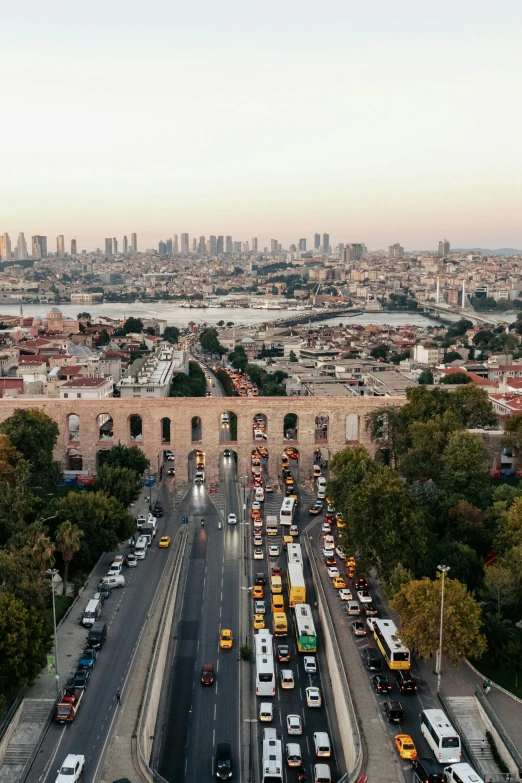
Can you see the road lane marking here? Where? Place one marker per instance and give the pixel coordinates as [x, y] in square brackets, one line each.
[51, 760]
[215, 708]
[213, 738]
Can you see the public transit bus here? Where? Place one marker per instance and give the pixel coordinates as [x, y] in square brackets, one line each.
[272, 763]
[280, 624]
[296, 584]
[265, 671]
[286, 515]
[304, 629]
[294, 554]
[396, 654]
[441, 736]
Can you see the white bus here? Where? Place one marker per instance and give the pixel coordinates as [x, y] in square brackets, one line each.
[294, 554]
[441, 736]
[265, 671]
[272, 770]
[386, 635]
[286, 515]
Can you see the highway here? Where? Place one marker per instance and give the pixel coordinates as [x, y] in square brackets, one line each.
[197, 717]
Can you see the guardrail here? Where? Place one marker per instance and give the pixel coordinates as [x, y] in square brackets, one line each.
[475, 761]
[504, 736]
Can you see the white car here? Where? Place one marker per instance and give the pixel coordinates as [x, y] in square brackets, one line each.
[332, 572]
[131, 560]
[345, 594]
[71, 769]
[294, 530]
[258, 523]
[310, 664]
[258, 540]
[364, 596]
[259, 607]
[313, 696]
[258, 553]
[294, 724]
[328, 551]
[287, 678]
[232, 519]
[256, 505]
[329, 541]
[370, 623]
[325, 527]
[273, 550]
[339, 552]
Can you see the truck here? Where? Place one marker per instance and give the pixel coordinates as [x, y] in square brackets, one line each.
[271, 525]
[67, 707]
[148, 532]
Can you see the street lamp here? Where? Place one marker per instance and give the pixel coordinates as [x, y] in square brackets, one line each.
[54, 571]
[444, 570]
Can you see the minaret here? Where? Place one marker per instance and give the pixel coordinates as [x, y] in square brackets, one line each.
[438, 290]
[463, 294]
[21, 315]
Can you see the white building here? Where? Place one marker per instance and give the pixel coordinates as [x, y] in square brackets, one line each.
[427, 353]
[151, 376]
[91, 387]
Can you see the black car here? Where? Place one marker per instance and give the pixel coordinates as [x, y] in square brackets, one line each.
[372, 659]
[81, 676]
[104, 590]
[361, 583]
[370, 610]
[381, 683]
[283, 653]
[260, 579]
[157, 510]
[223, 761]
[428, 771]
[226, 453]
[394, 711]
[405, 681]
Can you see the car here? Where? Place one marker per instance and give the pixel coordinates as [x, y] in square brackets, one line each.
[260, 580]
[207, 674]
[232, 519]
[353, 608]
[345, 594]
[358, 628]
[259, 607]
[317, 471]
[330, 561]
[325, 528]
[315, 509]
[361, 583]
[339, 552]
[372, 659]
[171, 471]
[328, 552]
[405, 746]
[266, 712]
[141, 519]
[287, 678]
[258, 540]
[381, 683]
[405, 681]
[223, 764]
[293, 754]
[208, 394]
[364, 596]
[131, 560]
[294, 724]
[393, 711]
[169, 455]
[88, 657]
[339, 583]
[333, 571]
[104, 591]
[258, 523]
[164, 542]
[313, 696]
[273, 550]
[157, 510]
[226, 453]
[351, 562]
[81, 676]
[258, 553]
[329, 541]
[226, 639]
[292, 453]
[71, 769]
[259, 622]
[269, 488]
[370, 622]
[256, 513]
[256, 505]
[310, 664]
[276, 571]
[370, 610]
[283, 653]
[329, 518]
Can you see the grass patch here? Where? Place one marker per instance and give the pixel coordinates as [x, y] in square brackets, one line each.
[62, 603]
[511, 681]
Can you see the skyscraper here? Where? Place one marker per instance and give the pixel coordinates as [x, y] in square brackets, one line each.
[317, 241]
[74, 247]
[229, 247]
[134, 243]
[108, 246]
[168, 243]
[353, 252]
[22, 247]
[114, 245]
[396, 251]
[175, 246]
[273, 245]
[326, 243]
[6, 254]
[213, 244]
[1, 247]
[125, 245]
[201, 248]
[60, 246]
[254, 244]
[219, 247]
[194, 243]
[162, 248]
[184, 243]
[444, 247]
[38, 246]
[302, 245]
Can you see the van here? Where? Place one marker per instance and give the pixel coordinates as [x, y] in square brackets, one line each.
[97, 635]
[321, 483]
[462, 773]
[116, 580]
[200, 477]
[266, 712]
[352, 607]
[147, 533]
[91, 612]
[276, 585]
[322, 774]
[322, 744]
[115, 568]
[372, 659]
[278, 602]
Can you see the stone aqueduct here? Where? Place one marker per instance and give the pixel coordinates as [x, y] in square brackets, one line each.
[345, 417]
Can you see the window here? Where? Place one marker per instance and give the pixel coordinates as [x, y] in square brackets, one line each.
[65, 394]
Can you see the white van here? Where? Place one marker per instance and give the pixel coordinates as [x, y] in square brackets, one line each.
[322, 744]
[224, 418]
[322, 774]
[462, 773]
[321, 483]
[92, 612]
[266, 712]
[117, 565]
[200, 477]
[140, 548]
[116, 580]
[258, 435]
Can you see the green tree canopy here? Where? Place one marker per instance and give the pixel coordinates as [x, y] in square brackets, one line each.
[464, 473]
[464, 562]
[34, 435]
[210, 341]
[426, 377]
[292, 357]
[133, 325]
[191, 385]
[455, 379]
[25, 639]
[171, 334]
[131, 457]
[120, 483]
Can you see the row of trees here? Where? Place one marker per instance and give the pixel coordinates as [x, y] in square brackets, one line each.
[270, 383]
[191, 385]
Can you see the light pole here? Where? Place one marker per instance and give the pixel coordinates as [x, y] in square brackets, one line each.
[54, 571]
[444, 570]
[244, 498]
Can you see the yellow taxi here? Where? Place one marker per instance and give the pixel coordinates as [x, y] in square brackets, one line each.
[338, 582]
[351, 562]
[164, 542]
[259, 622]
[339, 520]
[226, 639]
[258, 592]
[405, 746]
[284, 462]
[289, 480]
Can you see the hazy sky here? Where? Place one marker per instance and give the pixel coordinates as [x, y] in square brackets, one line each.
[375, 122]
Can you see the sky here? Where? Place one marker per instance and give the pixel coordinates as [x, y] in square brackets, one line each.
[374, 122]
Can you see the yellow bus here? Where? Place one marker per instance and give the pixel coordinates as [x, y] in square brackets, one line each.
[396, 654]
[296, 584]
[280, 624]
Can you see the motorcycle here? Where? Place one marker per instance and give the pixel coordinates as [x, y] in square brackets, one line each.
[202, 522]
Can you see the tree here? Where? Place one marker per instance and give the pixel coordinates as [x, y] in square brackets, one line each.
[499, 632]
[133, 325]
[469, 525]
[428, 439]
[510, 534]
[426, 377]
[455, 378]
[103, 338]
[68, 539]
[387, 427]
[25, 639]
[399, 576]
[210, 342]
[379, 352]
[464, 473]
[120, 483]
[472, 407]
[452, 356]
[293, 357]
[39, 548]
[501, 586]
[171, 334]
[464, 562]
[418, 604]
[9, 459]
[34, 435]
[21, 578]
[347, 469]
[85, 316]
[191, 385]
[132, 457]
[512, 437]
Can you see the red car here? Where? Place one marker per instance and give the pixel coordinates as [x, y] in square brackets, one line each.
[207, 674]
[276, 571]
[330, 561]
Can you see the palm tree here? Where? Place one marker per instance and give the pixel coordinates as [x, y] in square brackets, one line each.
[39, 547]
[68, 543]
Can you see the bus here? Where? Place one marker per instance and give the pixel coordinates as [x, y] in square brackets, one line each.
[296, 584]
[294, 555]
[441, 736]
[305, 629]
[286, 515]
[272, 771]
[280, 624]
[265, 672]
[396, 654]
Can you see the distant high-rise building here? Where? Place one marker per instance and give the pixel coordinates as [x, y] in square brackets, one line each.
[229, 246]
[317, 241]
[202, 246]
[220, 244]
[60, 246]
[326, 243]
[254, 244]
[273, 245]
[125, 245]
[444, 247]
[237, 247]
[162, 248]
[74, 247]
[184, 243]
[194, 245]
[213, 244]
[396, 251]
[168, 243]
[353, 252]
[246, 247]
[108, 246]
[6, 254]
[22, 247]
[114, 245]
[302, 245]
[39, 246]
[134, 243]
[1, 247]
[175, 246]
